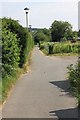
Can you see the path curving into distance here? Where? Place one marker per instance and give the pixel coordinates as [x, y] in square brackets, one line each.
[43, 92]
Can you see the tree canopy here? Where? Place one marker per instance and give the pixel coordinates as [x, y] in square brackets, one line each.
[42, 35]
[61, 29]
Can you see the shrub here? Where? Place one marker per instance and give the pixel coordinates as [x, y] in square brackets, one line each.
[10, 55]
[28, 48]
[60, 47]
[10, 60]
[41, 46]
[74, 77]
[17, 43]
[22, 34]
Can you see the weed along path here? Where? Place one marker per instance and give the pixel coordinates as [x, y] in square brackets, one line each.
[43, 92]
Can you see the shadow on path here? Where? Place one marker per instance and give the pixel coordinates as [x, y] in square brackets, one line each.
[64, 86]
[70, 113]
[67, 113]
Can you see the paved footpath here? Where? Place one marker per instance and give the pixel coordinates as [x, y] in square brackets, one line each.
[43, 92]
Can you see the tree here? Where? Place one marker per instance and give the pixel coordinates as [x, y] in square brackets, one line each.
[39, 36]
[60, 29]
[42, 35]
[47, 33]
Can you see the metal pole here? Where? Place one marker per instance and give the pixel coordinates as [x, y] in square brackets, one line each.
[26, 10]
[27, 19]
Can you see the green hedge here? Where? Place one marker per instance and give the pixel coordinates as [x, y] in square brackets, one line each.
[29, 47]
[22, 35]
[10, 52]
[17, 44]
[10, 60]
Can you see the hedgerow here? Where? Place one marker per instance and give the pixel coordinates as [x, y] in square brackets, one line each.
[22, 35]
[74, 78]
[10, 52]
[17, 44]
[59, 47]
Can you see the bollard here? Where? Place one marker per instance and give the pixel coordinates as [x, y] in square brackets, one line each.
[50, 49]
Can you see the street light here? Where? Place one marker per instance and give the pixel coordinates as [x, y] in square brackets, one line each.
[30, 27]
[26, 11]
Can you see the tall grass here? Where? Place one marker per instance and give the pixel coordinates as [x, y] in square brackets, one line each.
[8, 81]
[60, 47]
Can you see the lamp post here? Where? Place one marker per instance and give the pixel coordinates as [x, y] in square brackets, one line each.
[26, 11]
[30, 27]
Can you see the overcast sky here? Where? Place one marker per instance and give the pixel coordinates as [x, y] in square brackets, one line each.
[43, 12]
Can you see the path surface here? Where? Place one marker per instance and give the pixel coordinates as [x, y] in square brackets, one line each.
[43, 92]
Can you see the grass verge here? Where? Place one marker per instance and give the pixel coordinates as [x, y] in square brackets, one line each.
[8, 82]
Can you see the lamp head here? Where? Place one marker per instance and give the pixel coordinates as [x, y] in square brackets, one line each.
[26, 9]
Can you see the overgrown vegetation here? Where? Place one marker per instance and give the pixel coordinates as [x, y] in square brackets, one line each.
[17, 44]
[22, 34]
[74, 78]
[59, 47]
[42, 35]
[62, 31]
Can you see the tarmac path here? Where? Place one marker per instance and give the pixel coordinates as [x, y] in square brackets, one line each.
[43, 92]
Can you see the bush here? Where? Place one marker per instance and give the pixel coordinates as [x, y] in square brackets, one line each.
[41, 46]
[42, 35]
[17, 44]
[10, 60]
[10, 55]
[60, 47]
[74, 78]
[28, 48]
[22, 34]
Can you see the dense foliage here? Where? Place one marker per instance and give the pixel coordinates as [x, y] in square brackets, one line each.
[61, 30]
[74, 77]
[42, 35]
[17, 44]
[10, 52]
[22, 35]
[59, 47]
